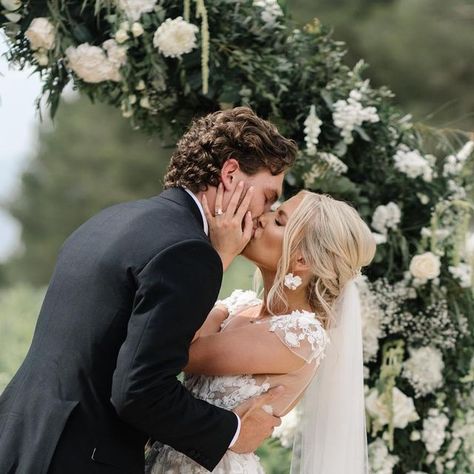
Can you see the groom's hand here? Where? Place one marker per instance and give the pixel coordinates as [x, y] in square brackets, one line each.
[230, 230]
[257, 422]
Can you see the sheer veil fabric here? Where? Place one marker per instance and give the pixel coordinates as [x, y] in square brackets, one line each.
[332, 438]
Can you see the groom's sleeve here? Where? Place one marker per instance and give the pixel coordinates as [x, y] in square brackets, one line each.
[175, 291]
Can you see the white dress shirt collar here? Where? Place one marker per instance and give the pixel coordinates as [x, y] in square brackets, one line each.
[205, 224]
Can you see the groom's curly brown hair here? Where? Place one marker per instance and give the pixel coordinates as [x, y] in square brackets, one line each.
[234, 133]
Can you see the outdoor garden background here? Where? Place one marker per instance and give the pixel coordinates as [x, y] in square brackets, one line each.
[405, 159]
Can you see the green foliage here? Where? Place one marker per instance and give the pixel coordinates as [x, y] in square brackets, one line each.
[90, 159]
[20, 307]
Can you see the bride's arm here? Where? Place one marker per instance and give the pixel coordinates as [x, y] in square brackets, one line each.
[246, 350]
[213, 322]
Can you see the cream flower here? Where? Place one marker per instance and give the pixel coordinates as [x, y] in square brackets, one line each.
[116, 54]
[41, 34]
[41, 58]
[425, 266]
[404, 411]
[137, 29]
[135, 8]
[121, 36]
[145, 103]
[11, 5]
[92, 65]
[175, 37]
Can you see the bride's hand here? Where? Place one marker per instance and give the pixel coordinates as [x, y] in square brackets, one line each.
[230, 230]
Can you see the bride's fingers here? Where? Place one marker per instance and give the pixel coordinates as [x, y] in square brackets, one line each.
[219, 198]
[235, 199]
[248, 227]
[244, 205]
[207, 211]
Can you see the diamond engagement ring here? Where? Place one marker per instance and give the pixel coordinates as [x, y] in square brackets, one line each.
[219, 212]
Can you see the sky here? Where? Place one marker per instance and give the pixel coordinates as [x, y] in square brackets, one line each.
[18, 122]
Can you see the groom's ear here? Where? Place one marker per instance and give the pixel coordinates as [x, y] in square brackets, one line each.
[229, 173]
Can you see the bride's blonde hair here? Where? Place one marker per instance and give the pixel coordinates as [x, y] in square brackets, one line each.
[335, 243]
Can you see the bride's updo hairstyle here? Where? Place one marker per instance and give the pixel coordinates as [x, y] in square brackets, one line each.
[335, 243]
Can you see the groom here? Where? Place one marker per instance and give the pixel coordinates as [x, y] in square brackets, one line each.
[130, 288]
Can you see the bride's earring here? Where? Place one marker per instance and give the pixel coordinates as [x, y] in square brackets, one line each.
[292, 281]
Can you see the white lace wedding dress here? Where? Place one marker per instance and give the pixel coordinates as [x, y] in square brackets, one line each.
[300, 331]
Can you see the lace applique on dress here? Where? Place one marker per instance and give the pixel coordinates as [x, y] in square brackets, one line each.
[302, 332]
[238, 301]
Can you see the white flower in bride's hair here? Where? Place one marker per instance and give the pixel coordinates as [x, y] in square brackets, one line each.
[426, 266]
[175, 37]
[292, 281]
[41, 34]
[135, 8]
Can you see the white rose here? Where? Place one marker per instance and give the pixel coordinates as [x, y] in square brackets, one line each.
[125, 25]
[132, 99]
[11, 5]
[145, 103]
[40, 34]
[137, 29]
[140, 85]
[425, 266]
[404, 411]
[121, 36]
[175, 37]
[91, 64]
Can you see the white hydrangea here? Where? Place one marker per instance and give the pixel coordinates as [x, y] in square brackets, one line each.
[175, 37]
[413, 164]
[463, 273]
[116, 54]
[41, 34]
[454, 163]
[380, 460]
[135, 8]
[271, 10]
[349, 114]
[312, 129]
[404, 410]
[434, 430]
[457, 190]
[324, 162]
[386, 217]
[287, 430]
[424, 370]
[371, 319]
[91, 63]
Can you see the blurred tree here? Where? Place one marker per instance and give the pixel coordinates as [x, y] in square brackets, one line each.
[89, 160]
[421, 49]
[20, 307]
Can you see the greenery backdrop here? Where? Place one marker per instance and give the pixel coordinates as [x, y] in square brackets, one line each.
[396, 175]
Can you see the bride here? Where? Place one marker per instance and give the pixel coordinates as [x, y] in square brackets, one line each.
[304, 334]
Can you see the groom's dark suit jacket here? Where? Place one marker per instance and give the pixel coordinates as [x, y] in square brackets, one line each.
[130, 288]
